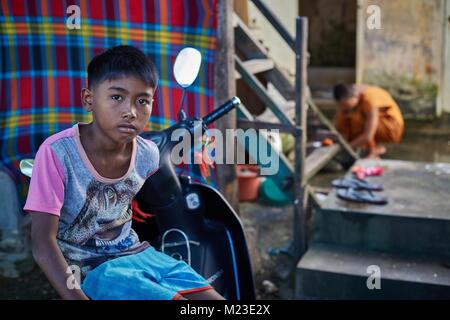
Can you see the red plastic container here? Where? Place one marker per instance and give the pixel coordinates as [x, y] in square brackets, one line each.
[249, 182]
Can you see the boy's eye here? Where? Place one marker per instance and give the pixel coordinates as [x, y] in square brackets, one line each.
[116, 97]
[143, 102]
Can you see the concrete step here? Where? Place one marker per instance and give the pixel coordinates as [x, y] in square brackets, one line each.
[391, 233]
[331, 272]
[325, 78]
[325, 103]
[415, 221]
[327, 106]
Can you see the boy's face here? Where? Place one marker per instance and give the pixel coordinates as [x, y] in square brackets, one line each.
[121, 107]
[349, 103]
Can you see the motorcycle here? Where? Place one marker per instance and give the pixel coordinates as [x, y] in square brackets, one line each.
[190, 220]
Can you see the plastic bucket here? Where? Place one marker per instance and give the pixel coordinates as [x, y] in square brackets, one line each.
[248, 181]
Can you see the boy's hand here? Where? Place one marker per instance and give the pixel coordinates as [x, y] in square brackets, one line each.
[49, 257]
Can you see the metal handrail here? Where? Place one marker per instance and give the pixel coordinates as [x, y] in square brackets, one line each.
[275, 23]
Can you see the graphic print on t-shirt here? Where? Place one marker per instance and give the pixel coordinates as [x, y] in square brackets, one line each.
[103, 215]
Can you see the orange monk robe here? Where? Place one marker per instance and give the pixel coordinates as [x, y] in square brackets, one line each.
[390, 125]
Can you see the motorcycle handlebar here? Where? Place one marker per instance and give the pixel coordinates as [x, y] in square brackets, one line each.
[222, 110]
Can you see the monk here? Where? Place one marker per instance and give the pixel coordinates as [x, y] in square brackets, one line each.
[367, 117]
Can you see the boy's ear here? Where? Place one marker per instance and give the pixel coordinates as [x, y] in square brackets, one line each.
[87, 99]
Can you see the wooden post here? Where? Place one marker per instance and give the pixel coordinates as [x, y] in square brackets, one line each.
[241, 9]
[444, 93]
[360, 27]
[300, 194]
[225, 88]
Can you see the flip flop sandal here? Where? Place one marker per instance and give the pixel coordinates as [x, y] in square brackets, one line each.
[365, 196]
[356, 184]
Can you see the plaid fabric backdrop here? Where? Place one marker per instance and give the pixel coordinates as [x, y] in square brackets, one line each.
[43, 62]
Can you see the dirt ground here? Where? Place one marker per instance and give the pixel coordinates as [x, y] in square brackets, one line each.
[30, 285]
[269, 229]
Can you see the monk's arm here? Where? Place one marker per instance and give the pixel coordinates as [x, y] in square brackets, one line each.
[370, 128]
[339, 123]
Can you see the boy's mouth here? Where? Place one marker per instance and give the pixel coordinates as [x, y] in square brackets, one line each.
[127, 128]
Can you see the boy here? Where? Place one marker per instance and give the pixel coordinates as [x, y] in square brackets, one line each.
[83, 181]
[367, 116]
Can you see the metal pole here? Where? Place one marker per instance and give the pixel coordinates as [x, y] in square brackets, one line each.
[301, 59]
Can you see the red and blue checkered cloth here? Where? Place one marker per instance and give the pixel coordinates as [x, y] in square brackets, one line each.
[43, 63]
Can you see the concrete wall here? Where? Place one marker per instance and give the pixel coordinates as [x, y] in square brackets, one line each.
[406, 54]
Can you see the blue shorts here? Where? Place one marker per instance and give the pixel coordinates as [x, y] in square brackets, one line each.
[147, 275]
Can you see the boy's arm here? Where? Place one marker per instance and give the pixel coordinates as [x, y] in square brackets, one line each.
[370, 128]
[48, 255]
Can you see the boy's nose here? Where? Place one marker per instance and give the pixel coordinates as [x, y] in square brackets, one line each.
[130, 112]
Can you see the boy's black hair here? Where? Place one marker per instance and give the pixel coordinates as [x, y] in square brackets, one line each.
[122, 61]
[343, 91]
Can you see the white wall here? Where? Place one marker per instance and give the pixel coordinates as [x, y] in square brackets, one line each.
[445, 101]
[405, 55]
[286, 11]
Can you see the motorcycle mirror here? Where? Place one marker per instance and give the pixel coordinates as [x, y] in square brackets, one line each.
[185, 70]
[26, 167]
[187, 66]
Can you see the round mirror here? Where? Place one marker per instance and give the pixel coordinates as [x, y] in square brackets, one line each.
[187, 66]
[26, 167]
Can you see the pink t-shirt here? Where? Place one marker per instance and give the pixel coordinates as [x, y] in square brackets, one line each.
[94, 212]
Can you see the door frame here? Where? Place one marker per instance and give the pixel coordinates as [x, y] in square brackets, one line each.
[443, 104]
[360, 28]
